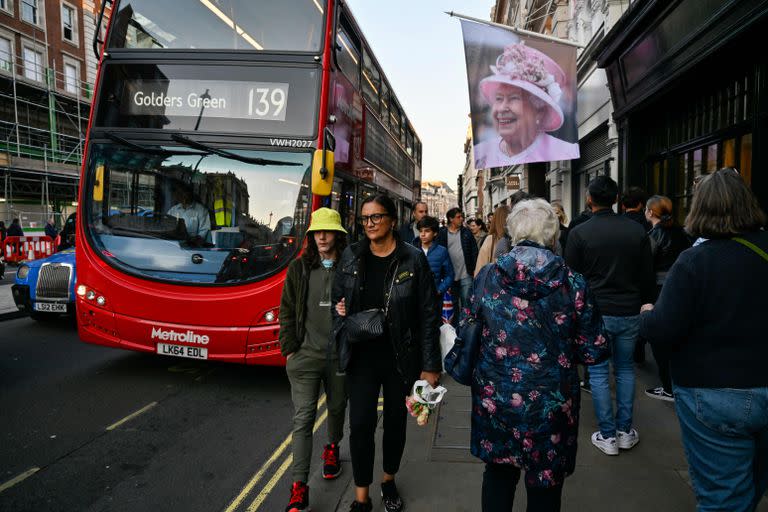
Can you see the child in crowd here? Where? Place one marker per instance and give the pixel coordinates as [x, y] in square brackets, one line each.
[437, 255]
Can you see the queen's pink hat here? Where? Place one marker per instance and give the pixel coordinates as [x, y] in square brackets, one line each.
[533, 71]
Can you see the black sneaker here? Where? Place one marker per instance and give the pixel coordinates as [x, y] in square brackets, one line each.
[331, 463]
[659, 394]
[299, 498]
[361, 507]
[390, 498]
[584, 384]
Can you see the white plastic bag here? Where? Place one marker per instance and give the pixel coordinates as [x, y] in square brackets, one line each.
[447, 339]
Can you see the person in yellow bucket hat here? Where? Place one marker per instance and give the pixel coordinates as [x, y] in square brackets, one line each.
[305, 341]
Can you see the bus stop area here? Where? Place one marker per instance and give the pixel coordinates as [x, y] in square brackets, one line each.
[439, 474]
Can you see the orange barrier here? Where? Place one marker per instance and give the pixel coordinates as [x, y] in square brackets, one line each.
[24, 248]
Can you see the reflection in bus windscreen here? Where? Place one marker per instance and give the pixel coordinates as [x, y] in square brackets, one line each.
[194, 217]
[284, 25]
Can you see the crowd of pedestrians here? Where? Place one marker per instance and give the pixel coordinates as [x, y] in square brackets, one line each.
[542, 296]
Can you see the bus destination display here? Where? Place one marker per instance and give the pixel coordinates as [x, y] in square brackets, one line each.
[266, 101]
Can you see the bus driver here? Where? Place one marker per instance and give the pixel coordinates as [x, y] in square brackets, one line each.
[196, 218]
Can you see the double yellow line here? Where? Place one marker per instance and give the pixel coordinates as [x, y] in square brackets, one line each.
[270, 485]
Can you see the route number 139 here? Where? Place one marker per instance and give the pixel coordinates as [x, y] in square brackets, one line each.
[268, 102]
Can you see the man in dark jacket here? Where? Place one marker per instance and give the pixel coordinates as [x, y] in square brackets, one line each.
[50, 229]
[463, 251]
[408, 231]
[15, 228]
[633, 206]
[614, 255]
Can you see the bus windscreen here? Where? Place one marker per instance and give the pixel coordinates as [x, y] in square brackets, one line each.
[186, 215]
[255, 25]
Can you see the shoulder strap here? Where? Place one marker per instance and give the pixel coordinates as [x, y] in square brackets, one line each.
[391, 286]
[750, 245]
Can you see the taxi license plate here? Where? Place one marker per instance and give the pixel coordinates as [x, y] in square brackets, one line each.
[167, 349]
[50, 307]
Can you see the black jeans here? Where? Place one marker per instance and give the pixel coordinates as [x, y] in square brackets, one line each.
[371, 369]
[499, 483]
[661, 353]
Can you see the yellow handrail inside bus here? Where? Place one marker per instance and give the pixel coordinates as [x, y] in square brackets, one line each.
[98, 184]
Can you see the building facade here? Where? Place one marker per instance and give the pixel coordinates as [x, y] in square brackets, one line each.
[47, 71]
[439, 198]
[687, 81]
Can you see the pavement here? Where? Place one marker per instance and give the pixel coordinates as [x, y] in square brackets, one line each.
[439, 474]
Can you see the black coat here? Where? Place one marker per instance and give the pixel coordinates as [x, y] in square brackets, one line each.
[666, 246]
[413, 323]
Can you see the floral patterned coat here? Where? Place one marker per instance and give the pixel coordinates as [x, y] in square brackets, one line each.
[539, 320]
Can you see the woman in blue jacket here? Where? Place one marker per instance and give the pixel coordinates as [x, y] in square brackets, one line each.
[437, 255]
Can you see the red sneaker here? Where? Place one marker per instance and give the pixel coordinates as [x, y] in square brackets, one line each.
[331, 463]
[299, 498]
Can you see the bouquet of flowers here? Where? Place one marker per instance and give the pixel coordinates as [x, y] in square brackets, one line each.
[422, 400]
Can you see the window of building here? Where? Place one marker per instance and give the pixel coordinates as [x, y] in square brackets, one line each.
[33, 64]
[69, 23]
[7, 6]
[30, 11]
[6, 55]
[371, 82]
[70, 78]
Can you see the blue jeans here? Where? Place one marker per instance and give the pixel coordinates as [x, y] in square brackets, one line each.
[622, 334]
[461, 290]
[725, 435]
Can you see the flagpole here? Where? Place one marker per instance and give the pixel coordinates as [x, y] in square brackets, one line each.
[515, 29]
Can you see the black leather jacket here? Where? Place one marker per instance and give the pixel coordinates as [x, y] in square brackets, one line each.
[666, 246]
[413, 323]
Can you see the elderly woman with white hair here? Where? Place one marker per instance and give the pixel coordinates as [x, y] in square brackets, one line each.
[538, 321]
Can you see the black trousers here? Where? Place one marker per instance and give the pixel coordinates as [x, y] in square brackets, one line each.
[371, 370]
[661, 353]
[499, 483]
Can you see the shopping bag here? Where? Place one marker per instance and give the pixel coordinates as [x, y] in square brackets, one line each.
[447, 339]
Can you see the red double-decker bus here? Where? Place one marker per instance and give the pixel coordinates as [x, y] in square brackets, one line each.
[217, 127]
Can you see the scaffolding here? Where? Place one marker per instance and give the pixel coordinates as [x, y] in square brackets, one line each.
[43, 117]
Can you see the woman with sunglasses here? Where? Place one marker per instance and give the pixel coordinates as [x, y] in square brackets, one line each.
[387, 274]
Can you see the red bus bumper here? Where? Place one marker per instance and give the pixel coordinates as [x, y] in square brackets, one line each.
[241, 345]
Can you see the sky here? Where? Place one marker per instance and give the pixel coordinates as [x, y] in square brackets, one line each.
[421, 52]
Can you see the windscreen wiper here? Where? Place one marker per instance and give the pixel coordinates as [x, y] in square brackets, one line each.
[147, 149]
[228, 154]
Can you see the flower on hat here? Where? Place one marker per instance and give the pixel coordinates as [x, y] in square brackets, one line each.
[517, 63]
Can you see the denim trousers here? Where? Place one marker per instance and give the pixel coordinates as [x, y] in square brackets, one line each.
[725, 436]
[622, 334]
[461, 290]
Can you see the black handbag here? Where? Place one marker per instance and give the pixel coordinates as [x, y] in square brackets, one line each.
[368, 325]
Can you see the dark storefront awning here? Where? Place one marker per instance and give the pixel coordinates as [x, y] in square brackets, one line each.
[657, 41]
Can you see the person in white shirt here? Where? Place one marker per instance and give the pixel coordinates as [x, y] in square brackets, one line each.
[196, 217]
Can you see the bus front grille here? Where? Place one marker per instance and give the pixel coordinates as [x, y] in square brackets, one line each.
[53, 281]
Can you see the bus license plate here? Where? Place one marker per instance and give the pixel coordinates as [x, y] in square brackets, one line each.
[167, 349]
[50, 307]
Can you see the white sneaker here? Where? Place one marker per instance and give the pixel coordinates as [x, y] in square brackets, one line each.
[606, 445]
[627, 440]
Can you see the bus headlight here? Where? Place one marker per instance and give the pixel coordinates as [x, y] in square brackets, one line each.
[81, 289]
[269, 316]
[23, 272]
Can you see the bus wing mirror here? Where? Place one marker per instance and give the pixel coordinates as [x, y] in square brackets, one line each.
[98, 184]
[322, 172]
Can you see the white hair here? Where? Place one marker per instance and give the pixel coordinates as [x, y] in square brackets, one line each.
[534, 220]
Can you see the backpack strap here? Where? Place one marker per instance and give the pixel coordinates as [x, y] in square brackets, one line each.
[752, 246]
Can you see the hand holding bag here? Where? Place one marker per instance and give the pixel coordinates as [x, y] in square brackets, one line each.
[368, 325]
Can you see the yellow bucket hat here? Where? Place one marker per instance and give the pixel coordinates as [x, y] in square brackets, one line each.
[325, 219]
